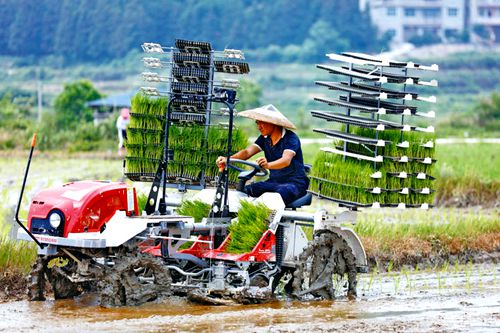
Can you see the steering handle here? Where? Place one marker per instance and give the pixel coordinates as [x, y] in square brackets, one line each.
[261, 172]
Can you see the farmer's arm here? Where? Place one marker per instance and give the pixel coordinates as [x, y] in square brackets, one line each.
[280, 163]
[246, 153]
[243, 154]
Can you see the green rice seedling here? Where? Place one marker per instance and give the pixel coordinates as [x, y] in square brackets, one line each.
[135, 150]
[420, 183]
[157, 106]
[153, 151]
[139, 103]
[314, 185]
[142, 199]
[350, 172]
[191, 170]
[134, 136]
[392, 198]
[252, 221]
[397, 280]
[373, 274]
[392, 182]
[195, 208]
[347, 192]
[174, 169]
[407, 276]
[416, 140]
[415, 198]
[131, 166]
[389, 267]
[468, 274]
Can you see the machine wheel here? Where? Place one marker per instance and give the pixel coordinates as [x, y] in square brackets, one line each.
[322, 267]
[283, 282]
[62, 287]
[36, 280]
[135, 280]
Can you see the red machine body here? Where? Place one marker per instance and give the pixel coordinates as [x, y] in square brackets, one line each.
[86, 206]
[264, 250]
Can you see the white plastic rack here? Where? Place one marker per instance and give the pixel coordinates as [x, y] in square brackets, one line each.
[371, 88]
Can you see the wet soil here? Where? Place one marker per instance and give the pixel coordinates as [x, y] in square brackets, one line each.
[457, 299]
[13, 285]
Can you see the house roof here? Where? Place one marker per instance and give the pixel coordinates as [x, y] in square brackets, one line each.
[119, 101]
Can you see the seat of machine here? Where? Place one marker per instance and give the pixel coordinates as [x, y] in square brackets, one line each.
[302, 201]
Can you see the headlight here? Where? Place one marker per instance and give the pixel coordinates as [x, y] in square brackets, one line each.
[55, 220]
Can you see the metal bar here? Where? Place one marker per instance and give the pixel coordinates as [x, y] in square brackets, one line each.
[189, 274]
[162, 208]
[225, 207]
[33, 144]
[183, 239]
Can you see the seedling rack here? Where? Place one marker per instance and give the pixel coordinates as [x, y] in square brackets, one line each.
[379, 158]
[176, 133]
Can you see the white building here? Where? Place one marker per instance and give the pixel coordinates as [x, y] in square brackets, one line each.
[405, 19]
[486, 14]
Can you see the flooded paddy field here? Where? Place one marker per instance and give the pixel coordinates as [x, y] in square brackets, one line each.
[460, 298]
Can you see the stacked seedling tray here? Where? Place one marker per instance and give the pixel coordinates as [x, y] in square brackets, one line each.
[384, 149]
[198, 131]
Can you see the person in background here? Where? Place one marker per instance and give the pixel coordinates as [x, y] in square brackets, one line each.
[121, 124]
[282, 155]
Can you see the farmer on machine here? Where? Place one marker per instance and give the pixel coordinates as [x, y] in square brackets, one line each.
[282, 155]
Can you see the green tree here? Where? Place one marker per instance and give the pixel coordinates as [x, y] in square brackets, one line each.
[70, 106]
[249, 94]
[487, 113]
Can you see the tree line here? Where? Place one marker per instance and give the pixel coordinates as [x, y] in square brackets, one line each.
[75, 31]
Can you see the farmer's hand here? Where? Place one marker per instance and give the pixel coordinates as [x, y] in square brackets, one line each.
[221, 163]
[262, 162]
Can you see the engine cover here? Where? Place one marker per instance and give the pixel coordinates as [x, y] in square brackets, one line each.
[85, 206]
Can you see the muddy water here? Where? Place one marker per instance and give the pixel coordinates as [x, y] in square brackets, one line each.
[455, 299]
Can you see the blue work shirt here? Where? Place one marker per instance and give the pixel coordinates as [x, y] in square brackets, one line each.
[294, 173]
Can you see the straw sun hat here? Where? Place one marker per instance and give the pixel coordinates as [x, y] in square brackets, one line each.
[269, 114]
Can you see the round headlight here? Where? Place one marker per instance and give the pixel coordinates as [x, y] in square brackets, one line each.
[55, 220]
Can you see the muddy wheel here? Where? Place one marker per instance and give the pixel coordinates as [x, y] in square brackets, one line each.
[36, 280]
[283, 282]
[41, 273]
[326, 267]
[134, 281]
[61, 285]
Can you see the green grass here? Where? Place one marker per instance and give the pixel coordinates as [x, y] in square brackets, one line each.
[16, 256]
[480, 160]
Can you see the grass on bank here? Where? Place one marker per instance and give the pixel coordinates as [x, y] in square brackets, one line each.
[411, 236]
[16, 256]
